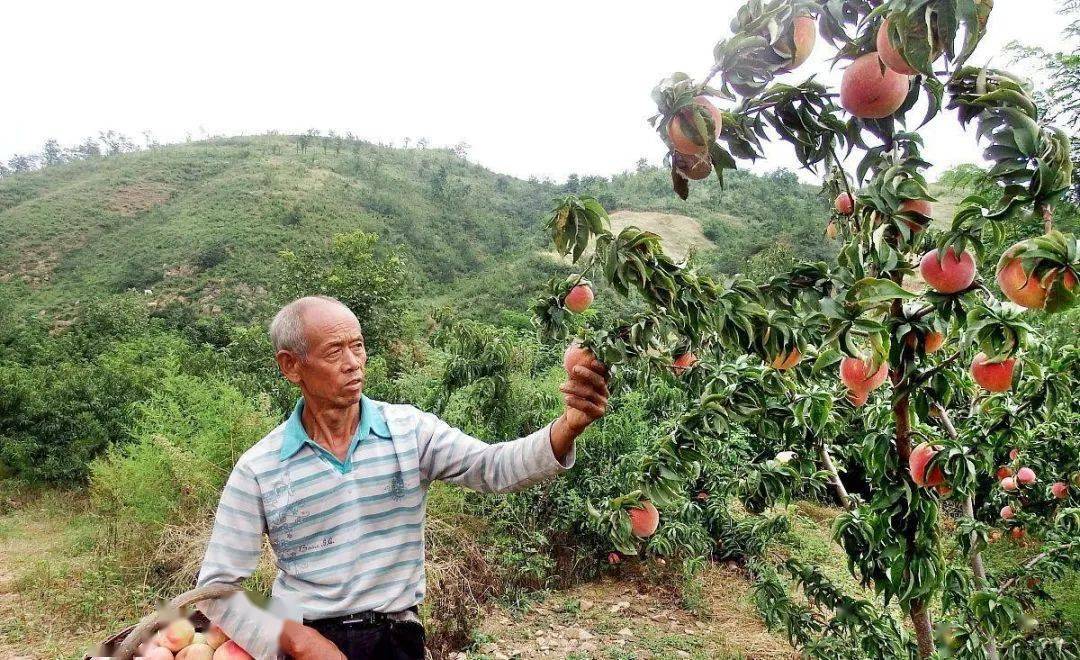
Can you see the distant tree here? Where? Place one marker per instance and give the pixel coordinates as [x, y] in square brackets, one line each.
[22, 163]
[115, 142]
[461, 150]
[52, 153]
[88, 149]
[151, 141]
[372, 282]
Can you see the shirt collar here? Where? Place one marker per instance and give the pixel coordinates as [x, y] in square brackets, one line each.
[371, 420]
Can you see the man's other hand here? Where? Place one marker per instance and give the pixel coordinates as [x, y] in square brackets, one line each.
[585, 394]
[301, 642]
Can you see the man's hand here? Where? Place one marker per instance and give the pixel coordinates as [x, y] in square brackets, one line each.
[585, 394]
[301, 642]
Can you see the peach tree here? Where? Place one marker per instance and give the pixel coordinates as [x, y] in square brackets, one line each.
[942, 394]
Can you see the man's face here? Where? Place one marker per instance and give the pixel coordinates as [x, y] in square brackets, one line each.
[332, 371]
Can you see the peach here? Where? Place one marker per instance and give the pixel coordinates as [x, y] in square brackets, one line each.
[692, 166]
[680, 131]
[230, 650]
[993, 376]
[1060, 489]
[949, 274]
[177, 635]
[1003, 472]
[868, 92]
[1007, 512]
[890, 55]
[1008, 484]
[196, 652]
[858, 399]
[215, 636]
[917, 466]
[684, 362]
[1025, 476]
[158, 653]
[644, 519]
[932, 343]
[579, 298]
[843, 204]
[576, 355]
[856, 376]
[784, 362]
[920, 206]
[1025, 289]
[804, 34]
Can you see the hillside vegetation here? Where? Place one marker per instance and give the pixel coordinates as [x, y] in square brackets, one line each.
[200, 224]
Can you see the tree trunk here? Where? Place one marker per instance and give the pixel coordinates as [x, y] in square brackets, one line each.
[920, 618]
[977, 568]
[841, 492]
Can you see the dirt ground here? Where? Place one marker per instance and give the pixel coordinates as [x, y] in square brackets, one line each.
[626, 620]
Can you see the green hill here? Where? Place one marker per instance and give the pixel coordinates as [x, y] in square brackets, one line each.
[201, 224]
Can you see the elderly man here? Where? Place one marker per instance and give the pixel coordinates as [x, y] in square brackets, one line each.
[340, 489]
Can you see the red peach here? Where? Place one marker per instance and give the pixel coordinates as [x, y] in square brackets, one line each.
[1025, 289]
[177, 635]
[784, 362]
[868, 92]
[843, 204]
[579, 298]
[230, 650]
[196, 652]
[920, 206]
[680, 132]
[917, 466]
[158, 653]
[858, 399]
[684, 362]
[804, 33]
[644, 519]
[1025, 475]
[951, 273]
[856, 376]
[993, 376]
[215, 636]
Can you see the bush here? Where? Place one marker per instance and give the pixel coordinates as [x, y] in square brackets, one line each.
[185, 440]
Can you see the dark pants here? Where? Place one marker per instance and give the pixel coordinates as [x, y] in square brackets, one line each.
[387, 640]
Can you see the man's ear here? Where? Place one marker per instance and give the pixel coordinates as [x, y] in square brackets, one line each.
[289, 365]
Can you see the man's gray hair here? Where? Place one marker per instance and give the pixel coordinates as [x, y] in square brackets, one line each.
[287, 329]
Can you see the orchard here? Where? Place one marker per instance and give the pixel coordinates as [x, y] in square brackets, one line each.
[961, 407]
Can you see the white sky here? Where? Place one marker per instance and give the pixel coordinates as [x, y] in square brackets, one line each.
[544, 88]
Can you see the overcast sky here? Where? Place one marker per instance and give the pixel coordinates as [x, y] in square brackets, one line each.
[540, 88]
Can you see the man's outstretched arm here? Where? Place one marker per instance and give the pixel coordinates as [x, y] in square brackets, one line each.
[451, 455]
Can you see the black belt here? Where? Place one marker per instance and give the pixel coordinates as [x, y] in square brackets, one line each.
[366, 618]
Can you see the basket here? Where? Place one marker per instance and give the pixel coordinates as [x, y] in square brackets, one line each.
[123, 644]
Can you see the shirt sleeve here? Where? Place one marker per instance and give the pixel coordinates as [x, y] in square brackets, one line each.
[451, 455]
[232, 555]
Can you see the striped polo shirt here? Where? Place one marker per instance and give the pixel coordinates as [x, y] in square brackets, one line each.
[348, 536]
